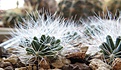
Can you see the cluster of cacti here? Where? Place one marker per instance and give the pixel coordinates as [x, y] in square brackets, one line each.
[110, 49]
[79, 8]
[46, 46]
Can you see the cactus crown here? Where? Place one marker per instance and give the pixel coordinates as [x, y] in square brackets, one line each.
[45, 46]
[110, 49]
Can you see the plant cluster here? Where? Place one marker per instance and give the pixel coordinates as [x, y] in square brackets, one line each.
[110, 49]
[46, 46]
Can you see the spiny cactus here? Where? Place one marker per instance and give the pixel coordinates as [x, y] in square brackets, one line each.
[79, 8]
[110, 49]
[45, 46]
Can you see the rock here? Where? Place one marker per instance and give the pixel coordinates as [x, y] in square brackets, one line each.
[97, 64]
[5, 64]
[15, 61]
[98, 55]
[44, 64]
[84, 48]
[26, 68]
[116, 64]
[60, 62]
[11, 50]
[76, 66]
[22, 68]
[1, 69]
[3, 52]
[8, 68]
[75, 52]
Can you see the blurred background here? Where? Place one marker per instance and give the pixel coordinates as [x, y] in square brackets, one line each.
[11, 11]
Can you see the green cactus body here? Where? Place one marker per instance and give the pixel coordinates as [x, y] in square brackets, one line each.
[110, 49]
[79, 8]
[45, 46]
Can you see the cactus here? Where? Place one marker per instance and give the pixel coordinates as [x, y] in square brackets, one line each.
[110, 49]
[79, 8]
[46, 46]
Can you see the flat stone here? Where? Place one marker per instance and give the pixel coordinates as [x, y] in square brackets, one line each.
[116, 64]
[76, 66]
[97, 64]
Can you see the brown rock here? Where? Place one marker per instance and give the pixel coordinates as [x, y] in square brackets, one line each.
[60, 62]
[25, 68]
[98, 55]
[116, 64]
[76, 55]
[22, 68]
[44, 64]
[97, 64]
[29, 67]
[76, 66]
[75, 52]
[8, 68]
[5, 64]
[13, 59]
[10, 50]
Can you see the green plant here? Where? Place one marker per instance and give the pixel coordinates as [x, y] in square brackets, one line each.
[110, 49]
[46, 46]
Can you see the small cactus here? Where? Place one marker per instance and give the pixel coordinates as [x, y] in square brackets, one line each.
[46, 46]
[110, 49]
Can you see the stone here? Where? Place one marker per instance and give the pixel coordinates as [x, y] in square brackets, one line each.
[97, 64]
[44, 64]
[75, 52]
[76, 66]
[98, 55]
[22, 68]
[2, 51]
[5, 64]
[15, 61]
[11, 50]
[116, 64]
[60, 62]
[8, 68]
[25, 68]
[1, 69]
